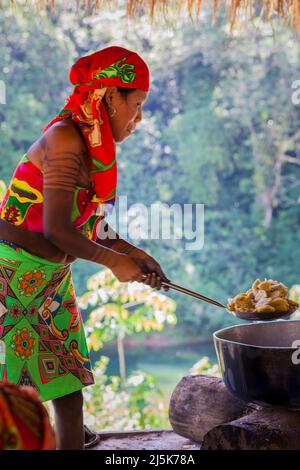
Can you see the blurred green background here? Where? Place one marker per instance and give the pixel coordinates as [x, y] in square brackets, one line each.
[220, 128]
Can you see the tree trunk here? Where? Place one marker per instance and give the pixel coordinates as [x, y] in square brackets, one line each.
[271, 428]
[121, 355]
[203, 410]
[199, 403]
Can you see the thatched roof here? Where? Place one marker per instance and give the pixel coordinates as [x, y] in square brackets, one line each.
[288, 10]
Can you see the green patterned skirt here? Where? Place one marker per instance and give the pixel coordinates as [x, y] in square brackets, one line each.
[42, 339]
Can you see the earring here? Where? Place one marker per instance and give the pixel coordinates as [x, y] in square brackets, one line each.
[111, 114]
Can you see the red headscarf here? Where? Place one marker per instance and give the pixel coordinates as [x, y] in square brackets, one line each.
[24, 421]
[91, 75]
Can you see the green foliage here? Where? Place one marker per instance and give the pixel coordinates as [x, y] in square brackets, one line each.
[219, 128]
[121, 309]
[205, 367]
[114, 406]
[117, 310]
[294, 294]
[34, 55]
[3, 189]
[137, 404]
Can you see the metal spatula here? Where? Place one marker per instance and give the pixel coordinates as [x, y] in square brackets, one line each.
[191, 293]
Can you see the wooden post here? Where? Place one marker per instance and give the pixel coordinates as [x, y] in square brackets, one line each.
[271, 428]
[203, 410]
[199, 403]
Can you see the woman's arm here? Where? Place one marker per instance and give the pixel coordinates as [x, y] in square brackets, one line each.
[58, 228]
[61, 165]
[109, 238]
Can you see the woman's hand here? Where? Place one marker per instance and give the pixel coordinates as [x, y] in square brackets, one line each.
[150, 267]
[126, 269]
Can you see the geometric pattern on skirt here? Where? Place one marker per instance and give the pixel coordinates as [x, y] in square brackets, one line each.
[42, 336]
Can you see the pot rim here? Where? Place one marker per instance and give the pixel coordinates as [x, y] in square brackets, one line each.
[251, 325]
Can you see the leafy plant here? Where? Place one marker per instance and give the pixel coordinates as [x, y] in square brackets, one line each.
[3, 189]
[204, 366]
[135, 404]
[295, 295]
[122, 309]
[119, 310]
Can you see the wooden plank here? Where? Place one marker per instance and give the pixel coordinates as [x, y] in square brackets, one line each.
[145, 440]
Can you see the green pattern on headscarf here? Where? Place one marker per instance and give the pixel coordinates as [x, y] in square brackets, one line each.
[124, 71]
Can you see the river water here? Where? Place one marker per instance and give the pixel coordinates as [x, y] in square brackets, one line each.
[168, 365]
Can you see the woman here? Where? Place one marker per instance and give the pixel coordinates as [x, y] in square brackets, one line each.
[50, 216]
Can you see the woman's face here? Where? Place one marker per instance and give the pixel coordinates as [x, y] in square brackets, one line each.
[128, 111]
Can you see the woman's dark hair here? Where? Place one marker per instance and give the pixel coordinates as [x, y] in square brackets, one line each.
[125, 91]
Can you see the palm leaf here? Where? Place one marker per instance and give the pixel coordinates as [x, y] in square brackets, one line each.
[288, 10]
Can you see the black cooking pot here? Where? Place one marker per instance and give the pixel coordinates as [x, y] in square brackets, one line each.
[259, 361]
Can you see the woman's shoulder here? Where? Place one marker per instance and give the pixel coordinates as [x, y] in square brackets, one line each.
[66, 130]
[65, 136]
[62, 137]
